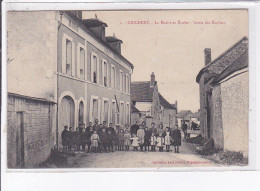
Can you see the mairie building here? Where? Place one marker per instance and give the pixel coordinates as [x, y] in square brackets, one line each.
[62, 70]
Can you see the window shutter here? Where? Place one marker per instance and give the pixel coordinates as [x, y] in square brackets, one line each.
[63, 69]
[73, 59]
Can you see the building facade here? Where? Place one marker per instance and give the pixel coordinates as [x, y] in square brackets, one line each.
[152, 106]
[224, 98]
[56, 57]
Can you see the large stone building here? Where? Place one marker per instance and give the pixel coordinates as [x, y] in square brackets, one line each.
[150, 105]
[62, 70]
[224, 98]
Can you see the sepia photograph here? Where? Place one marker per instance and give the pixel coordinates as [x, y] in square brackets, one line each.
[127, 89]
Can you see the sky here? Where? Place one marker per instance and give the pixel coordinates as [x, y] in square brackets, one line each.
[173, 51]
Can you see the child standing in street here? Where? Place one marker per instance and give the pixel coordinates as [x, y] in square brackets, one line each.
[83, 137]
[116, 140]
[121, 140]
[110, 141]
[94, 141]
[127, 137]
[135, 143]
[160, 142]
[77, 139]
[167, 139]
[153, 141]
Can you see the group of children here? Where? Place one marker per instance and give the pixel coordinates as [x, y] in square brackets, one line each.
[100, 138]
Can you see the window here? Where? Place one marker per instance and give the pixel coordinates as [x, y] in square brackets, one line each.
[109, 76]
[113, 76]
[94, 68]
[105, 74]
[127, 84]
[122, 113]
[94, 113]
[106, 110]
[82, 63]
[127, 113]
[113, 113]
[121, 81]
[68, 57]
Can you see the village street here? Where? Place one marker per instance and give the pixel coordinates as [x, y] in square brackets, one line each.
[130, 159]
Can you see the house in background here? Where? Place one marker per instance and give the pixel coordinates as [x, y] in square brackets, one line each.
[195, 117]
[183, 115]
[150, 103]
[224, 98]
[83, 77]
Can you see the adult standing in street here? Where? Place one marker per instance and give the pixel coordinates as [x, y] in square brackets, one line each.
[140, 135]
[147, 136]
[89, 133]
[65, 138]
[176, 136]
[134, 128]
[184, 128]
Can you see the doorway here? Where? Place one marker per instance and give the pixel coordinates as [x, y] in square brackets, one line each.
[20, 140]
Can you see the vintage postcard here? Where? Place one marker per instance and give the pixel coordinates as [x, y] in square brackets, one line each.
[127, 89]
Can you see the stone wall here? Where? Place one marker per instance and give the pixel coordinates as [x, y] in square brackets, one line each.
[37, 130]
[217, 129]
[235, 110]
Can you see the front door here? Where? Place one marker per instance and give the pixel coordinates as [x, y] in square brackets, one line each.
[20, 140]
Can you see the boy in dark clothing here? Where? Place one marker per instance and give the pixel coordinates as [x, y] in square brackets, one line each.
[71, 138]
[65, 138]
[83, 138]
[77, 139]
[110, 141]
[121, 140]
[89, 132]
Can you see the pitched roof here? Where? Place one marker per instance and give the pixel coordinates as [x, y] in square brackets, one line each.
[142, 91]
[165, 103]
[134, 109]
[225, 59]
[113, 39]
[238, 64]
[183, 113]
[94, 22]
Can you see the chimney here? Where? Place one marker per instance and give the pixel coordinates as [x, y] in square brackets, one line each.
[152, 79]
[176, 106]
[77, 14]
[97, 26]
[114, 43]
[207, 52]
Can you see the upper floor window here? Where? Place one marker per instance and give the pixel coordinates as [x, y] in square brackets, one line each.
[105, 73]
[82, 63]
[68, 57]
[121, 81]
[94, 68]
[113, 76]
[127, 84]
